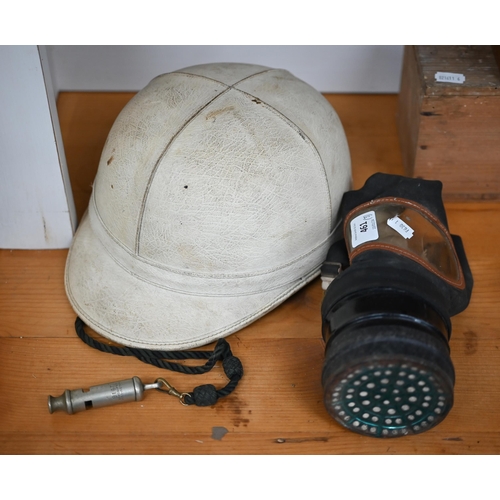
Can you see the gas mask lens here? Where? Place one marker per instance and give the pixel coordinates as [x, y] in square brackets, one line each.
[395, 277]
[405, 227]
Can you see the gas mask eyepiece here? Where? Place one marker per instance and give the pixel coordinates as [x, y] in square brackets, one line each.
[394, 276]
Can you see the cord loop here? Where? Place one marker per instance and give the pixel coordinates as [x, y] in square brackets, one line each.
[203, 395]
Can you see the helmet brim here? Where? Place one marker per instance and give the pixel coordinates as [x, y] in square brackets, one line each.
[134, 312]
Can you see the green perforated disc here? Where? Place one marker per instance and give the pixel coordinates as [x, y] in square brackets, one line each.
[389, 399]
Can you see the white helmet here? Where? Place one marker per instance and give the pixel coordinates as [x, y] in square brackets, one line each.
[215, 200]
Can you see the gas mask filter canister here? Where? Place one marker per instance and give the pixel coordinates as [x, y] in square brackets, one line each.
[398, 277]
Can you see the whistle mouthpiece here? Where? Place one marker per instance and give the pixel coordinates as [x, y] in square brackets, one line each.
[60, 403]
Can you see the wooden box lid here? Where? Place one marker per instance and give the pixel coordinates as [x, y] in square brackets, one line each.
[476, 62]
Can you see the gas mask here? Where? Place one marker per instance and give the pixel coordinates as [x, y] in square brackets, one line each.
[394, 276]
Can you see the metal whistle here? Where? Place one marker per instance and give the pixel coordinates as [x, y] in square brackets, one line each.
[98, 396]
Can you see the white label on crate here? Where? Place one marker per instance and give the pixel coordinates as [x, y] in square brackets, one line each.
[441, 76]
[364, 228]
[401, 227]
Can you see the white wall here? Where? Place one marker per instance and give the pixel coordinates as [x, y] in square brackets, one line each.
[36, 202]
[344, 69]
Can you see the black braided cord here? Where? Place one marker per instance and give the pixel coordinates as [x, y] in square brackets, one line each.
[203, 395]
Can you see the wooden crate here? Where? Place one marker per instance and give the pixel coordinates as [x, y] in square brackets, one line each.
[451, 131]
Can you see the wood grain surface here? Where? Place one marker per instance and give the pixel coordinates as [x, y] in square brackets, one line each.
[277, 408]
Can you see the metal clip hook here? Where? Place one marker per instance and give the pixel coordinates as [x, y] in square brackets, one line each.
[170, 389]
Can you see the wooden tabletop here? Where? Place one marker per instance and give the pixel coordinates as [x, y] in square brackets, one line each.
[277, 408]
